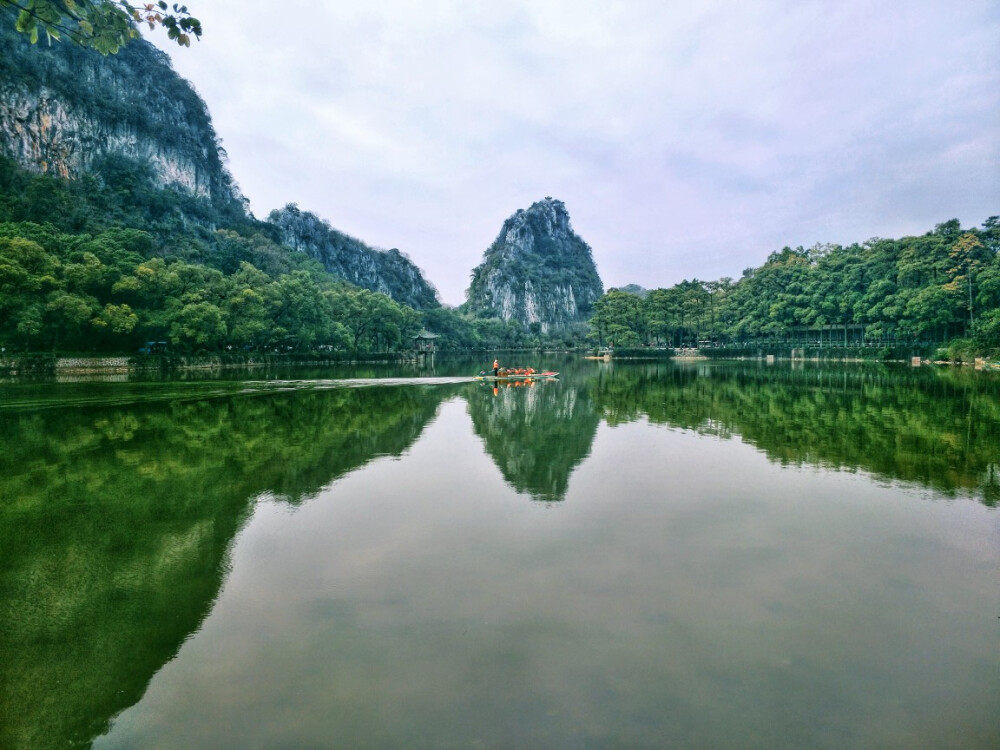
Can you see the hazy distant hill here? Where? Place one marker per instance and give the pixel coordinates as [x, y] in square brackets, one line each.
[635, 289]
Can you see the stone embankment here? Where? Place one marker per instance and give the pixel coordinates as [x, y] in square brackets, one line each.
[48, 365]
[85, 365]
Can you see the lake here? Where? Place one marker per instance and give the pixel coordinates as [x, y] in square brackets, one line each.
[636, 555]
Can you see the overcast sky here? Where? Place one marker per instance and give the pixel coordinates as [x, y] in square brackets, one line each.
[687, 139]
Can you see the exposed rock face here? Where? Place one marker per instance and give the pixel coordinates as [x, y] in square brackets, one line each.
[537, 271]
[386, 271]
[64, 109]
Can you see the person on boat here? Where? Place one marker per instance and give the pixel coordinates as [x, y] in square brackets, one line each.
[496, 367]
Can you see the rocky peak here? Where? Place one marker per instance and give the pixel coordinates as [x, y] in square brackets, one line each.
[537, 271]
[546, 219]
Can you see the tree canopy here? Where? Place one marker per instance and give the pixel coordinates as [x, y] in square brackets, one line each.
[932, 288]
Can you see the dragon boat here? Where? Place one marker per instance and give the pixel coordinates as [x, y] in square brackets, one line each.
[515, 374]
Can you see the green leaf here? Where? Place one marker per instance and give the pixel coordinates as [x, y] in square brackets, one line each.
[25, 22]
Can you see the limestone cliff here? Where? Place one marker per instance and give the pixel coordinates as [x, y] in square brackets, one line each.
[64, 110]
[386, 271]
[538, 271]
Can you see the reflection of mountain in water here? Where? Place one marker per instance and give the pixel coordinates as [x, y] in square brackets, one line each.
[536, 434]
[116, 523]
[935, 428]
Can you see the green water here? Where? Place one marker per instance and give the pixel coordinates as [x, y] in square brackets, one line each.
[636, 555]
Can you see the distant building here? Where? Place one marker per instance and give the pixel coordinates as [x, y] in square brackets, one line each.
[424, 342]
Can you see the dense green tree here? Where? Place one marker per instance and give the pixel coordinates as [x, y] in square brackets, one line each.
[27, 274]
[934, 287]
[97, 293]
[456, 330]
[67, 313]
[619, 319]
[247, 307]
[363, 312]
[969, 255]
[116, 319]
[198, 325]
[664, 315]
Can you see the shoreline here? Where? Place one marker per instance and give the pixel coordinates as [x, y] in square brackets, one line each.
[122, 365]
[53, 365]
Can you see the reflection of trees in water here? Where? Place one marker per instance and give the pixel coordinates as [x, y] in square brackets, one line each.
[935, 428]
[536, 434]
[116, 521]
[116, 524]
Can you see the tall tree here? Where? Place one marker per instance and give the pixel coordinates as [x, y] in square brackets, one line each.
[968, 254]
[620, 319]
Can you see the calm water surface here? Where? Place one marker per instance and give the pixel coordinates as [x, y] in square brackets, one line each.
[635, 555]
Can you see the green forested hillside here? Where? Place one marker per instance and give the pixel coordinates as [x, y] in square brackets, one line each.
[110, 262]
[938, 287]
[107, 264]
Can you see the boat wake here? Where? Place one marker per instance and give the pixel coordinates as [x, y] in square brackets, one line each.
[278, 385]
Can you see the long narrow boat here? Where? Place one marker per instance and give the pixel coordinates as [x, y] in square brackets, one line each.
[517, 376]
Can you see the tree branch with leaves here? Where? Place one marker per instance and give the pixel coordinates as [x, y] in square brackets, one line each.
[102, 25]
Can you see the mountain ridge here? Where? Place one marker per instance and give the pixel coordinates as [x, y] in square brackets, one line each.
[388, 271]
